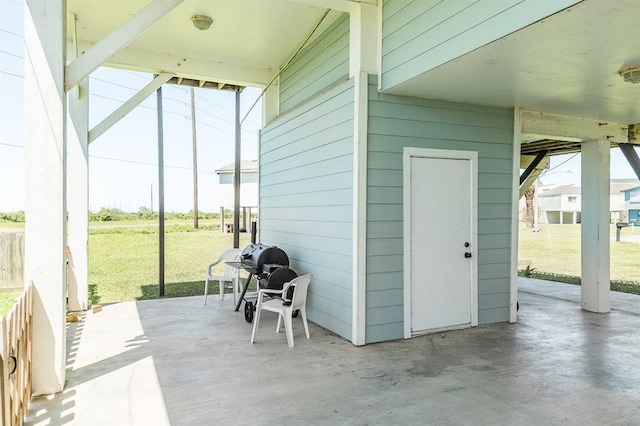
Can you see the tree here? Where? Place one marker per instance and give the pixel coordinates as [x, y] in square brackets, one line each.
[528, 196]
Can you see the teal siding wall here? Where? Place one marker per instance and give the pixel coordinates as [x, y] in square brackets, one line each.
[419, 35]
[396, 122]
[306, 196]
[319, 65]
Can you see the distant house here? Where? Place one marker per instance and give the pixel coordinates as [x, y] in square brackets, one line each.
[248, 190]
[632, 203]
[562, 204]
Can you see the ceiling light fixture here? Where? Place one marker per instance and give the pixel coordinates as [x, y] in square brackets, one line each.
[201, 22]
[631, 74]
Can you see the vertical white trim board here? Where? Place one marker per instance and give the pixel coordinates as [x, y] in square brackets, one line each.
[517, 141]
[360, 208]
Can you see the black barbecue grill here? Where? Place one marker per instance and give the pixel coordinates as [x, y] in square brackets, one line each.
[270, 266]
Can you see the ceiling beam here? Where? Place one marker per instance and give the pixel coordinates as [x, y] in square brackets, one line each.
[559, 127]
[341, 5]
[119, 38]
[128, 106]
[193, 68]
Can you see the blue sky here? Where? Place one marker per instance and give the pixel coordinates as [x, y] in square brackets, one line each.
[123, 161]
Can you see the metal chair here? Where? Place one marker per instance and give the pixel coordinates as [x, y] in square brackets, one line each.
[284, 307]
[229, 275]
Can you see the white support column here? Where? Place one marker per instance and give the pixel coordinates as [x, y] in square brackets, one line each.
[77, 185]
[595, 226]
[271, 103]
[515, 198]
[78, 197]
[363, 45]
[45, 159]
[363, 36]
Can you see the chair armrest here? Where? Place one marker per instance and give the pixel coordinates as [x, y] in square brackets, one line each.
[211, 265]
[269, 291]
[285, 289]
[263, 291]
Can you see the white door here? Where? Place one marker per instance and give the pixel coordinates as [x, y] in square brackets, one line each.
[442, 262]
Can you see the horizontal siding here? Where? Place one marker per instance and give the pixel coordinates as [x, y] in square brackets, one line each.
[420, 35]
[306, 197]
[397, 122]
[318, 66]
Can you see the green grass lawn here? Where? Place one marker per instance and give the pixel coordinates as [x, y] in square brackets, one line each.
[123, 262]
[7, 298]
[555, 250]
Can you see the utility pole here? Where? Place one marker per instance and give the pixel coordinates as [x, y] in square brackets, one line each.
[195, 158]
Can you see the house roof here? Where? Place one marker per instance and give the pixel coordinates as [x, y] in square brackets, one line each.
[631, 188]
[624, 185]
[616, 186]
[561, 190]
[245, 167]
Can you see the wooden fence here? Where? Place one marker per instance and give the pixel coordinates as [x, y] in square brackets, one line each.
[11, 260]
[15, 360]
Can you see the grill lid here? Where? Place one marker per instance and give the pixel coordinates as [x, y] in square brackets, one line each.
[259, 256]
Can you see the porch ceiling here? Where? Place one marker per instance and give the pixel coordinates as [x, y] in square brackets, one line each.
[566, 64]
[246, 44]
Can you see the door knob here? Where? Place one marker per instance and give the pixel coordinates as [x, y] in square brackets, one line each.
[467, 255]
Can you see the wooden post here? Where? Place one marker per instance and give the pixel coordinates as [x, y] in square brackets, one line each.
[12, 260]
[4, 375]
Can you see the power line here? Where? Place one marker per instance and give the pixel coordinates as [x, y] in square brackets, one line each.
[11, 145]
[214, 104]
[122, 160]
[140, 105]
[12, 74]
[16, 3]
[565, 161]
[12, 33]
[224, 109]
[11, 54]
[225, 132]
[178, 114]
[137, 90]
[214, 116]
[166, 97]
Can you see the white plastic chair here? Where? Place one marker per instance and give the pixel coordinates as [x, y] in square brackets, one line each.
[230, 275]
[283, 308]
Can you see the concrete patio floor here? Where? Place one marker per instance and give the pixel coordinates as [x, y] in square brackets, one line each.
[178, 362]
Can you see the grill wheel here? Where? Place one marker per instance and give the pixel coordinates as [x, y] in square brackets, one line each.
[248, 312]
